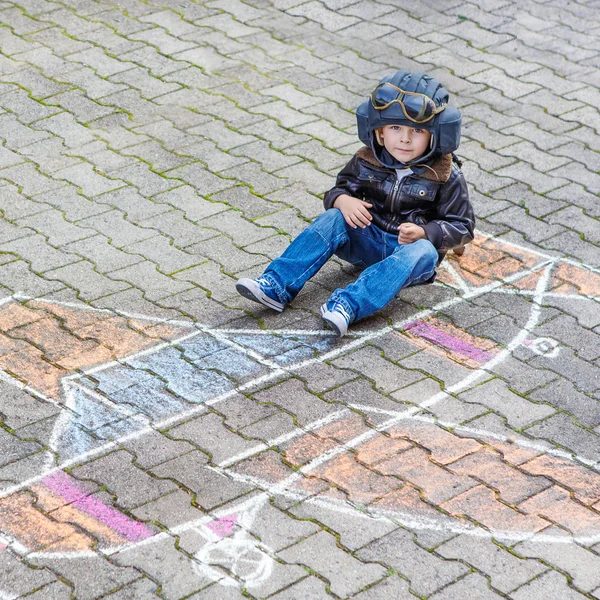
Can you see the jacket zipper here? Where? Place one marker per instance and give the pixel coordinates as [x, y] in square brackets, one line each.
[394, 196]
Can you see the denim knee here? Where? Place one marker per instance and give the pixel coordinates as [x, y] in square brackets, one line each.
[330, 224]
[428, 254]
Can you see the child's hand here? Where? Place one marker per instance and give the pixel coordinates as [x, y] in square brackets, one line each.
[354, 210]
[409, 233]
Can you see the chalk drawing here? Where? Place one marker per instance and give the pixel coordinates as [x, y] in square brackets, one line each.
[223, 526]
[543, 346]
[63, 485]
[459, 345]
[247, 561]
[122, 382]
[237, 560]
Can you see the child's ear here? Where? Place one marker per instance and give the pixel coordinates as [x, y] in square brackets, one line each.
[378, 136]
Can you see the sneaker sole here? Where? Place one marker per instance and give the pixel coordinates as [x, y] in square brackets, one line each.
[257, 296]
[332, 324]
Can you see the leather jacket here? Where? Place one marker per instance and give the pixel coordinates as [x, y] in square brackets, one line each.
[437, 198]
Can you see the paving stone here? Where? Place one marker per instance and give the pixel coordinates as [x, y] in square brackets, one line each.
[472, 584]
[154, 448]
[277, 529]
[571, 244]
[551, 585]
[20, 409]
[146, 181]
[426, 572]
[574, 218]
[173, 570]
[320, 553]
[53, 591]
[82, 277]
[581, 564]
[292, 397]
[21, 579]
[354, 531]
[159, 250]
[506, 571]
[518, 411]
[90, 582]
[117, 228]
[130, 484]
[105, 257]
[369, 362]
[310, 587]
[390, 587]
[562, 430]
[142, 589]
[38, 253]
[18, 277]
[211, 488]
[171, 510]
[215, 440]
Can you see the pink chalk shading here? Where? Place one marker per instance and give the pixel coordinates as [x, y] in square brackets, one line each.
[445, 340]
[223, 526]
[63, 485]
[3, 546]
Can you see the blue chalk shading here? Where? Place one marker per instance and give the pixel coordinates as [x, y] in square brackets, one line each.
[73, 441]
[200, 346]
[266, 345]
[286, 350]
[91, 413]
[121, 377]
[184, 378]
[90, 417]
[118, 429]
[233, 363]
[167, 382]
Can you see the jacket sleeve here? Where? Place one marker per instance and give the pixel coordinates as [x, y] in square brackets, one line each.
[454, 224]
[346, 183]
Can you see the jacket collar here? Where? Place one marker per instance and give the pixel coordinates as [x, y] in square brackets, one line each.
[438, 171]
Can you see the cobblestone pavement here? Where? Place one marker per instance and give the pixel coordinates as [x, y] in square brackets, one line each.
[162, 437]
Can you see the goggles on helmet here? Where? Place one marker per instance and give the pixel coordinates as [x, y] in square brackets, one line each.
[418, 108]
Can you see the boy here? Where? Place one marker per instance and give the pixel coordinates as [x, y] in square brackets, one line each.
[397, 207]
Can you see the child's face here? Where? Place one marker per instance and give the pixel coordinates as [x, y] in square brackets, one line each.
[405, 143]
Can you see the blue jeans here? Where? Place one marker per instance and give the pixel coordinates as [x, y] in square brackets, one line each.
[388, 266]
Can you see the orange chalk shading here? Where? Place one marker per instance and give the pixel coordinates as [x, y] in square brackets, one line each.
[570, 277]
[41, 346]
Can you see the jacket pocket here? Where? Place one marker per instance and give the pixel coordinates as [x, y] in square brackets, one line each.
[421, 191]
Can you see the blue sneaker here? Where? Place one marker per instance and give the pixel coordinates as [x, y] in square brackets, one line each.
[336, 317]
[259, 290]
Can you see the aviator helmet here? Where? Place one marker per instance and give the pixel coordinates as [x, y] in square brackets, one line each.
[414, 100]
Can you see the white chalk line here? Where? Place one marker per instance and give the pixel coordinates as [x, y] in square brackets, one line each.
[486, 289]
[461, 283]
[109, 446]
[527, 293]
[258, 448]
[251, 507]
[474, 432]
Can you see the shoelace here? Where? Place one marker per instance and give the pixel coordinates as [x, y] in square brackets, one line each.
[340, 309]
